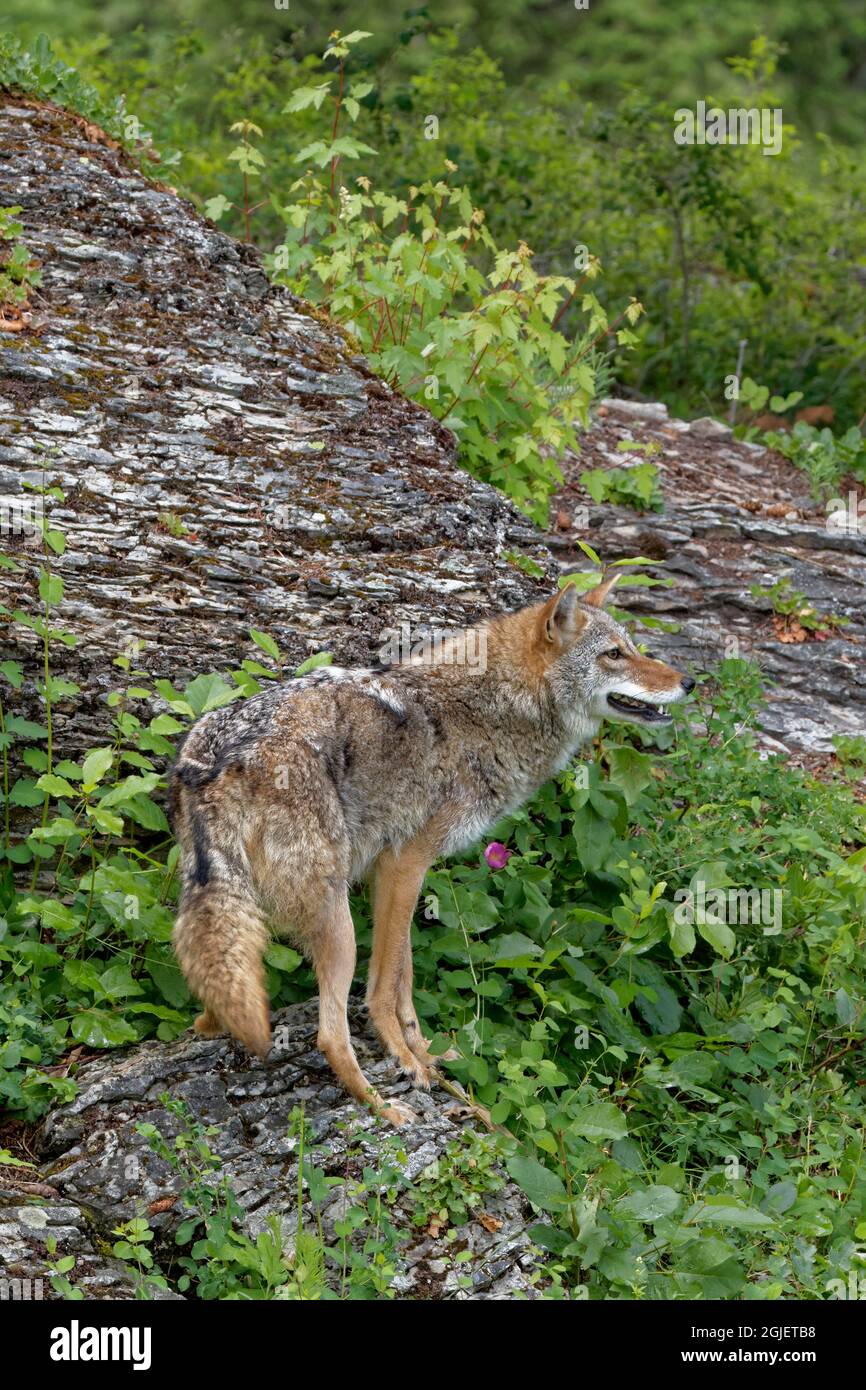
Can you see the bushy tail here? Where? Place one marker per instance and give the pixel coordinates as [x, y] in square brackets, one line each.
[220, 939]
[220, 935]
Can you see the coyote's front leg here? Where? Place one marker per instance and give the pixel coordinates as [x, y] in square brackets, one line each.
[397, 880]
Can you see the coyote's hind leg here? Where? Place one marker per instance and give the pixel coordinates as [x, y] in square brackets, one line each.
[208, 1026]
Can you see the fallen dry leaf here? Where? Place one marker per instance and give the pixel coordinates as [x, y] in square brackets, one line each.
[161, 1204]
[490, 1223]
[789, 630]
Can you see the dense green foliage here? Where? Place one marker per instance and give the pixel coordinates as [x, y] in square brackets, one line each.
[719, 243]
[668, 49]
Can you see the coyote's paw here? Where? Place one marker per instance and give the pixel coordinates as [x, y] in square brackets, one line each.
[398, 1115]
[420, 1071]
[207, 1026]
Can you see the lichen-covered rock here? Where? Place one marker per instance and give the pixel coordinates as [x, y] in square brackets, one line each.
[101, 1171]
[29, 1223]
[228, 460]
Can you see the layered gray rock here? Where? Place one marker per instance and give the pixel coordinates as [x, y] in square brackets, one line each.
[735, 516]
[96, 1169]
[229, 461]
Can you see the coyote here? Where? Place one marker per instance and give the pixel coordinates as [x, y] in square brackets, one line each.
[282, 802]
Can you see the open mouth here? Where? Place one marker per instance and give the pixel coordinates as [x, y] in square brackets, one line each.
[639, 709]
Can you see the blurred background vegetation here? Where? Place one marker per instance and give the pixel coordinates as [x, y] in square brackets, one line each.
[560, 122]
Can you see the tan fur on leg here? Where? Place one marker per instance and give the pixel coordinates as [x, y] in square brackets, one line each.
[396, 884]
[208, 1026]
[334, 960]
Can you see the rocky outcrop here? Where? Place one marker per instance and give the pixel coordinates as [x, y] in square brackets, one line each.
[97, 1170]
[736, 515]
[228, 460]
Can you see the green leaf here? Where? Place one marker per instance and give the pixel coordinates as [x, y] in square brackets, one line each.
[266, 643]
[164, 724]
[513, 949]
[217, 207]
[306, 96]
[683, 938]
[145, 812]
[543, 1188]
[650, 1203]
[13, 673]
[312, 662]
[95, 766]
[99, 1028]
[720, 937]
[129, 787]
[56, 786]
[209, 692]
[727, 1211]
[846, 1013]
[282, 957]
[588, 550]
[25, 792]
[50, 588]
[629, 769]
[594, 836]
[600, 1121]
[163, 969]
[25, 728]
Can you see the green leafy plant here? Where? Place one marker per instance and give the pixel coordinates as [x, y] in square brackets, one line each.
[795, 608]
[468, 329]
[453, 1188]
[133, 1246]
[250, 162]
[755, 397]
[37, 71]
[636, 487]
[19, 275]
[825, 458]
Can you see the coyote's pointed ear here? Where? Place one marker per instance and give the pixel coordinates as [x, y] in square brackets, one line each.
[597, 597]
[561, 619]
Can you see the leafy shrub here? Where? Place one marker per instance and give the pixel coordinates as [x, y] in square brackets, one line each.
[715, 249]
[789, 603]
[636, 487]
[440, 311]
[38, 72]
[825, 458]
[18, 274]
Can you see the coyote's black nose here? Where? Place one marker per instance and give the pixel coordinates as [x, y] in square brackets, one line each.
[687, 684]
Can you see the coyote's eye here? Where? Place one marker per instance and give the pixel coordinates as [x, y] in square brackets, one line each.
[614, 654]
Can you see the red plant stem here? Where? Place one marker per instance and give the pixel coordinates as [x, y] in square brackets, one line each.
[407, 317]
[568, 301]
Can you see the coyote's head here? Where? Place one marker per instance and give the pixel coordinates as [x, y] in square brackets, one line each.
[594, 667]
